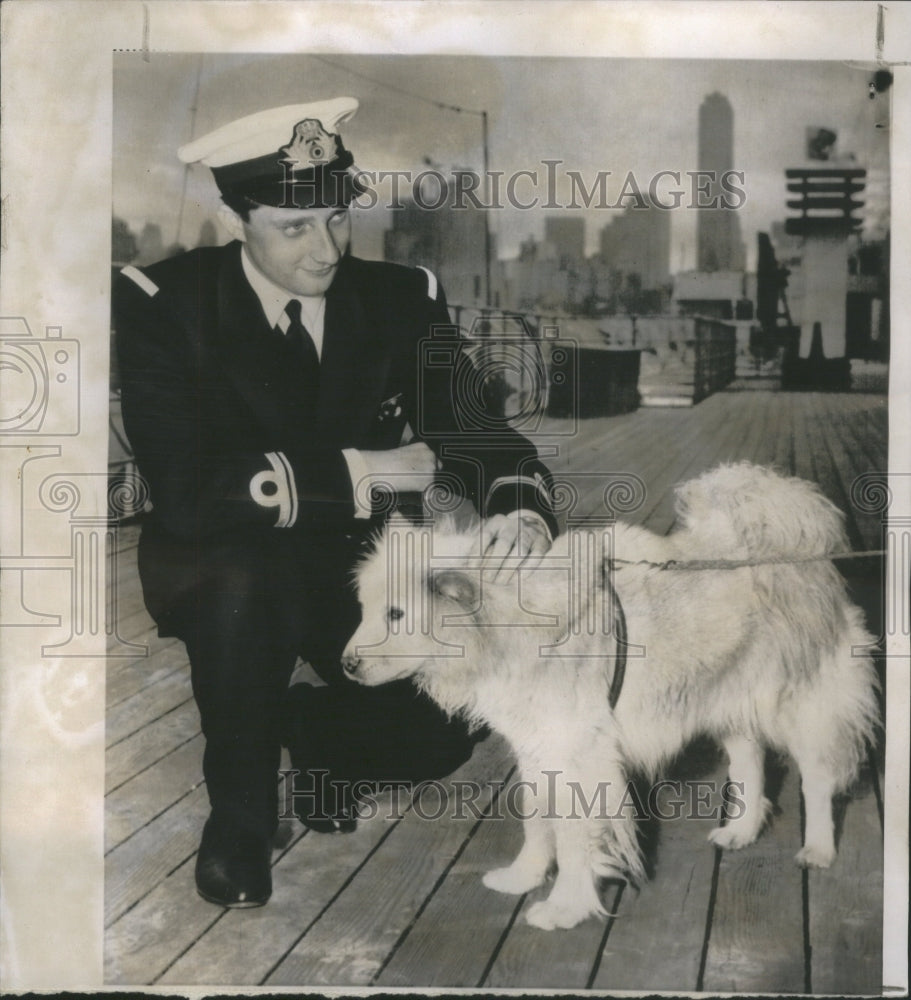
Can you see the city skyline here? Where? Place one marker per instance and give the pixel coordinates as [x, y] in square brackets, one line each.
[638, 116]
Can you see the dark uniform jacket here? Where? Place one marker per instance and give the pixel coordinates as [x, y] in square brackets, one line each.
[226, 437]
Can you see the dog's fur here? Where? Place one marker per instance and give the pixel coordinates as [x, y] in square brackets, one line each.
[755, 657]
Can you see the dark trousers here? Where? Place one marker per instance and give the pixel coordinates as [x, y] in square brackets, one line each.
[246, 607]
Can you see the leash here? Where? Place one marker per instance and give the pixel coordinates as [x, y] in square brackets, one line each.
[704, 564]
[616, 685]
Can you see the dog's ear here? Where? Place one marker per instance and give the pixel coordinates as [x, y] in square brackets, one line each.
[454, 586]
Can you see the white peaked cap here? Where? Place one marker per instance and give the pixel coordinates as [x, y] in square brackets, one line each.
[264, 132]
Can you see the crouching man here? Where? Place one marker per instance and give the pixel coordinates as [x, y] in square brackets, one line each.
[265, 385]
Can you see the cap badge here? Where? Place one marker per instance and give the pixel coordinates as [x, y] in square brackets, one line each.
[310, 143]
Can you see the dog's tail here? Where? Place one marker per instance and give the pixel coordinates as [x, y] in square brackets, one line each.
[765, 514]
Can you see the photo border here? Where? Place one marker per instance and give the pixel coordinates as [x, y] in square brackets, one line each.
[56, 162]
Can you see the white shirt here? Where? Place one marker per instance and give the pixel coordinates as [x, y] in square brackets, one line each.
[274, 299]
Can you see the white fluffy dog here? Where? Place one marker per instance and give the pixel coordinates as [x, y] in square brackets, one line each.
[767, 655]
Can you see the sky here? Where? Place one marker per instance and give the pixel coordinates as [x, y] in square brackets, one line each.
[593, 115]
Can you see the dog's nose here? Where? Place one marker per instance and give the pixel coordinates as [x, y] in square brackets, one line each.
[350, 665]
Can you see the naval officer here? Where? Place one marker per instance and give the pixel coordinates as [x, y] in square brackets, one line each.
[264, 384]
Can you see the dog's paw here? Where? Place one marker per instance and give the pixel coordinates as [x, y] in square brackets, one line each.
[812, 856]
[552, 916]
[512, 880]
[743, 831]
[733, 836]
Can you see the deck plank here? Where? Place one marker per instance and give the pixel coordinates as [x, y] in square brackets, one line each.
[350, 942]
[846, 900]
[126, 678]
[672, 906]
[664, 470]
[804, 466]
[455, 937]
[783, 458]
[629, 457]
[825, 466]
[865, 577]
[129, 606]
[768, 420]
[139, 800]
[677, 438]
[244, 946]
[135, 867]
[142, 943]
[611, 451]
[727, 441]
[855, 455]
[148, 745]
[532, 958]
[756, 942]
[148, 704]
[146, 940]
[866, 418]
[132, 616]
[748, 421]
[719, 441]
[657, 439]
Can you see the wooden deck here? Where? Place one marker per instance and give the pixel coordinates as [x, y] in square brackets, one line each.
[400, 902]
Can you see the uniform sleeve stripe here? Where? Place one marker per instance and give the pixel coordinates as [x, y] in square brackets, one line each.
[432, 285]
[537, 484]
[136, 276]
[292, 488]
[513, 481]
[283, 489]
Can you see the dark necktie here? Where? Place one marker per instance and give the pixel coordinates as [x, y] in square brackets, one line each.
[304, 359]
[302, 346]
[304, 362]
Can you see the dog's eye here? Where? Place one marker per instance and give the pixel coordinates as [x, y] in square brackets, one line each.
[395, 614]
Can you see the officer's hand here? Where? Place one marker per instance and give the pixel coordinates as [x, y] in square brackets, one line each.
[409, 469]
[513, 543]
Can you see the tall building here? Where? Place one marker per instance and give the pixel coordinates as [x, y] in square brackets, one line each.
[639, 242]
[449, 242]
[566, 234]
[719, 241]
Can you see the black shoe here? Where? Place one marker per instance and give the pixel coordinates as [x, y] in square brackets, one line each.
[233, 866]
